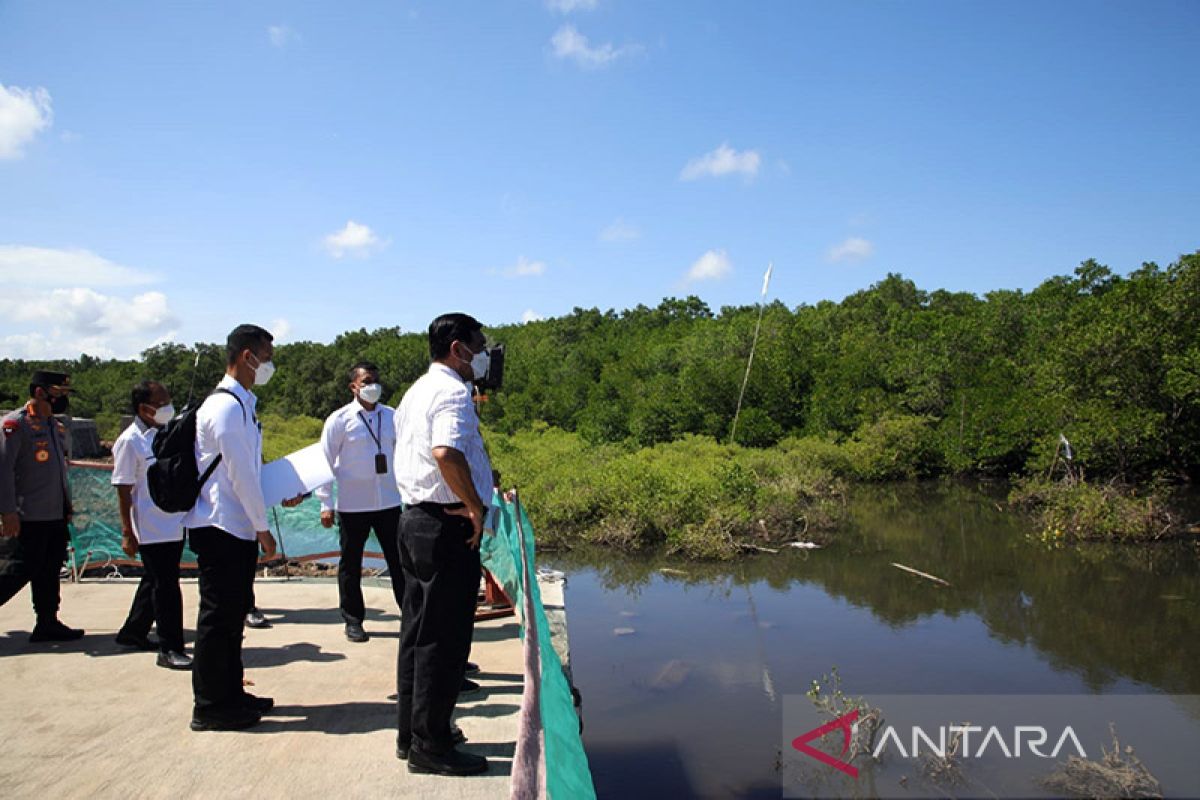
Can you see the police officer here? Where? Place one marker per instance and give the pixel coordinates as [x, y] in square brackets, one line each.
[35, 502]
[359, 440]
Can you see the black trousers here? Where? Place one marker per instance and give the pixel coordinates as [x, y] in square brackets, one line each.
[353, 529]
[226, 565]
[441, 577]
[36, 557]
[158, 599]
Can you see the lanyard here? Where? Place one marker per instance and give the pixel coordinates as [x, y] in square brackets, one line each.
[378, 417]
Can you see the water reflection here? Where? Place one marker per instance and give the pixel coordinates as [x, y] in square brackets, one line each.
[708, 649]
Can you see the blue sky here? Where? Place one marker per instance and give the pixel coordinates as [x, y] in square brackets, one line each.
[168, 170]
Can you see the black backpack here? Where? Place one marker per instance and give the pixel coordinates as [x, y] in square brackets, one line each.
[174, 479]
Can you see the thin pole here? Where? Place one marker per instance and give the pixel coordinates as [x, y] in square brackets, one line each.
[753, 346]
[287, 575]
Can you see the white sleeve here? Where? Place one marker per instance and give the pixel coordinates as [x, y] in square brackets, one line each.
[233, 434]
[331, 444]
[450, 421]
[125, 462]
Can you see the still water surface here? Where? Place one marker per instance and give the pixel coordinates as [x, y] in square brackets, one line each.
[683, 674]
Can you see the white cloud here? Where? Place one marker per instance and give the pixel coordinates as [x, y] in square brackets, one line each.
[853, 249]
[722, 161]
[58, 297]
[280, 328]
[531, 316]
[525, 268]
[44, 266]
[711, 266]
[570, 44]
[620, 231]
[282, 35]
[354, 239]
[567, 6]
[24, 113]
[80, 320]
[86, 311]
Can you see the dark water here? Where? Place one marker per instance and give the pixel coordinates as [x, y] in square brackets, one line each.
[689, 703]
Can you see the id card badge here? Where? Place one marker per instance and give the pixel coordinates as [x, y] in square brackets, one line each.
[381, 463]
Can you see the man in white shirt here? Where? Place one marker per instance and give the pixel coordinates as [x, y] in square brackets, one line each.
[445, 481]
[226, 527]
[359, 440]
[147, 530]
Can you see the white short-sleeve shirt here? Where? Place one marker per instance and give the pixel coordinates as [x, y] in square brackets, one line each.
[351, 439]
[132, 454]
[437, 412]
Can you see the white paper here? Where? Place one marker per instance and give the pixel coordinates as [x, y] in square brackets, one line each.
[296, 473]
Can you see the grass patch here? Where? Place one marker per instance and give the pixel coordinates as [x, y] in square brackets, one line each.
[283, 435]
[1072, 510]
[700, 498]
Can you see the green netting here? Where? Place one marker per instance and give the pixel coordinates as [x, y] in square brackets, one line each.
[96, 523]
[567, 772]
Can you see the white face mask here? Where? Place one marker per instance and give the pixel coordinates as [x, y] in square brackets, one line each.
[480, 363]
[164, 414]
[263, 372]
[370, 393]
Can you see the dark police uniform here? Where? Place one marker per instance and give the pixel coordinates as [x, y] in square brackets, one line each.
[33, 484]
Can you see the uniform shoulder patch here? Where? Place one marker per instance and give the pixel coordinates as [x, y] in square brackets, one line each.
[10, 427]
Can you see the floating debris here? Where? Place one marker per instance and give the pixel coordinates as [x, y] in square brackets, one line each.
[920, 574]
[623, 631]
[669, 571]
[804, 545]
[672, 675]
[1119, 773]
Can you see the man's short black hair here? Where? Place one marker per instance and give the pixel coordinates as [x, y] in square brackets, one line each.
[245, 337]
[450, 328]
[363, 365]
[142, 392]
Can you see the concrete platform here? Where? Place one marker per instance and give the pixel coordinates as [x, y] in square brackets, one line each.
[91, 719]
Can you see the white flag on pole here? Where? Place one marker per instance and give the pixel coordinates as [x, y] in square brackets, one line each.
[767, 278]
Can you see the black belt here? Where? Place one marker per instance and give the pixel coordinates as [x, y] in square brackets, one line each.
[432, 506]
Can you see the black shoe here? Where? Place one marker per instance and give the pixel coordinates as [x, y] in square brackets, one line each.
[456, 735]
[174, 660]
[136, 642]
[259, 704]
[54, 631]
[236, 720]
[355, 632]
[469, 687]
[455, 762]
[472, 668]
[255, 619]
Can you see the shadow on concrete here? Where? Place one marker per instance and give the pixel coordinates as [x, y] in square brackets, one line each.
[488, 710]
[336, 718]
[498, 676]
[640, 769]
[498, 754]
[509, 630]
[287, 654]
[94, 644]
[490, 691]
[323, 616]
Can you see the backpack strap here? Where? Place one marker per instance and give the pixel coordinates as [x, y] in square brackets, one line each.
[241, 405]
[212, 467]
